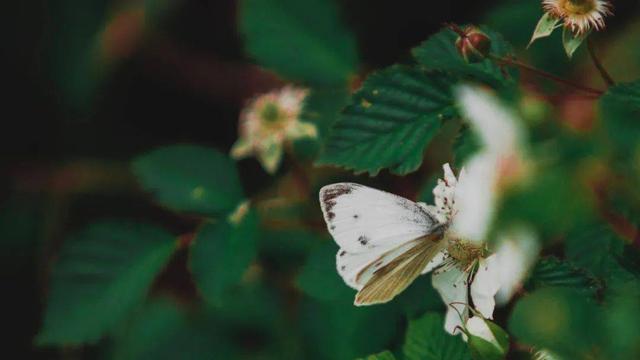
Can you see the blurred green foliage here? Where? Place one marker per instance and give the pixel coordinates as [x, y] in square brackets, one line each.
[248, 272]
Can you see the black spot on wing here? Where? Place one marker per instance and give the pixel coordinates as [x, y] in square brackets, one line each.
[363, 240]
[342, 253]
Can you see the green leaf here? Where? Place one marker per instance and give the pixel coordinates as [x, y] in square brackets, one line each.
[319, 277]
[465, 145]
[558, 319]
[426, 339]
[571, 41]
[552, 271]
[102, 273]
[342, 331]
[545, 27]
[385, 355]
[161, 330]
[390, 121]
[481, 349]
[300, 40]
[620, 110]
[190, 178]
[597, 248]
[439, 52]
[221, 254]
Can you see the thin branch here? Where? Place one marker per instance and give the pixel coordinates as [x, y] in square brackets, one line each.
[598, 64]
[546, 75]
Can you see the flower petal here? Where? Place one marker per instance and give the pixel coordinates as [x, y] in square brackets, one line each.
[302, 130]
[452, 287]
[241, 149]
[435, 262]
[270, 155]
[485, 286]
[475, 198]
[517, 252]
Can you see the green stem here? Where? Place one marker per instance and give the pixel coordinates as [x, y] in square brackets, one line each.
[598, 64]
[544, 74]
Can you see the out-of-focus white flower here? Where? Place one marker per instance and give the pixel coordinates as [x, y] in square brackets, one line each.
[579, 15]
[270, 121]
[467, 205]
[517, 251]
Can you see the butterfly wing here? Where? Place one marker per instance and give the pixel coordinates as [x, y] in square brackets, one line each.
[387, 281]
[362, 219]
[377, 232]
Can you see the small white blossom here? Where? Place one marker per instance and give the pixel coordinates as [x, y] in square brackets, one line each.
[268, 123]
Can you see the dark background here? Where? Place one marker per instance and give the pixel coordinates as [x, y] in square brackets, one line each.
[184, 79]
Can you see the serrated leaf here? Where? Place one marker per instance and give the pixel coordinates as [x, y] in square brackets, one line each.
[439, 52]
[571, 41]
[552, 271]
[427, 339]
[319, 277]
[620, 109]
[221, 254]
[190, 178]
[545, 27]
[102, 273]
[390, 121]
[597, 248]
[300, 40]
[385, 355]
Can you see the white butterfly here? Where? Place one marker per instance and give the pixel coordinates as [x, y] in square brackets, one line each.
[386, 241]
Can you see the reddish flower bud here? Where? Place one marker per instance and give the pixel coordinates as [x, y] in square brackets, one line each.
[473, 45]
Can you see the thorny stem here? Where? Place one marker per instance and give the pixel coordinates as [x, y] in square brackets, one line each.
[598, 64]
[544, 74]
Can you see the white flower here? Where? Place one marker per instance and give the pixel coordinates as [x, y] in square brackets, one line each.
[467, 205]
[579, 15]
[270, 121]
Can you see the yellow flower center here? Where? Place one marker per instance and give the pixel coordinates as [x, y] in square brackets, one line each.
[579, 7]
[271, 113]
[464, 252]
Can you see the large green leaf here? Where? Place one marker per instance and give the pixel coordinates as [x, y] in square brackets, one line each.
[221, 254]
[598, 249]
[102, 273]
[300, 40]
[342, 331]
[426, 339]
[558, 319]
[161, 331]
[390, 121]
[439, 52]
[552, 271]
[190, 178]
[620, 110]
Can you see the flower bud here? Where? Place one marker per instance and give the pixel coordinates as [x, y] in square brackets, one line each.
[473, 45]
